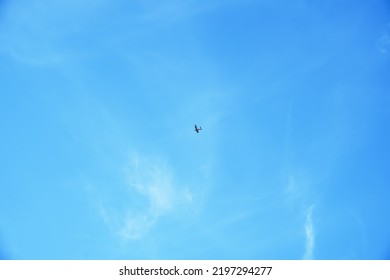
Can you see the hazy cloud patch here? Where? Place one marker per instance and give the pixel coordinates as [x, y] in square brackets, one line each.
[310, 234]
[47, 32]
[297, 189]
[384, 41]
[151, 194]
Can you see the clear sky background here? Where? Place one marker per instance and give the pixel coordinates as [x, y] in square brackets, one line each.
[98, 154]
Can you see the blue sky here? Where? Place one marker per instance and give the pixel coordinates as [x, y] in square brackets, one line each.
[99, 159]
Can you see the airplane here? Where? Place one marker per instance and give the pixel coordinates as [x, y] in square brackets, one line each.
[197, 129]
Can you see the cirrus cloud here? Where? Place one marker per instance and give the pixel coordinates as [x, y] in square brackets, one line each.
[151, 194]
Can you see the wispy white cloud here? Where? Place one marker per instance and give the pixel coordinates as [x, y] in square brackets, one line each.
[41, 34]
[384, 41]
[173, 11]
[297, 188]
[151, 181]
[310, 234]
[297, 196]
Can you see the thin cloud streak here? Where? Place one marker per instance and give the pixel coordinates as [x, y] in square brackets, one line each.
[384, 41]
[310, 235]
